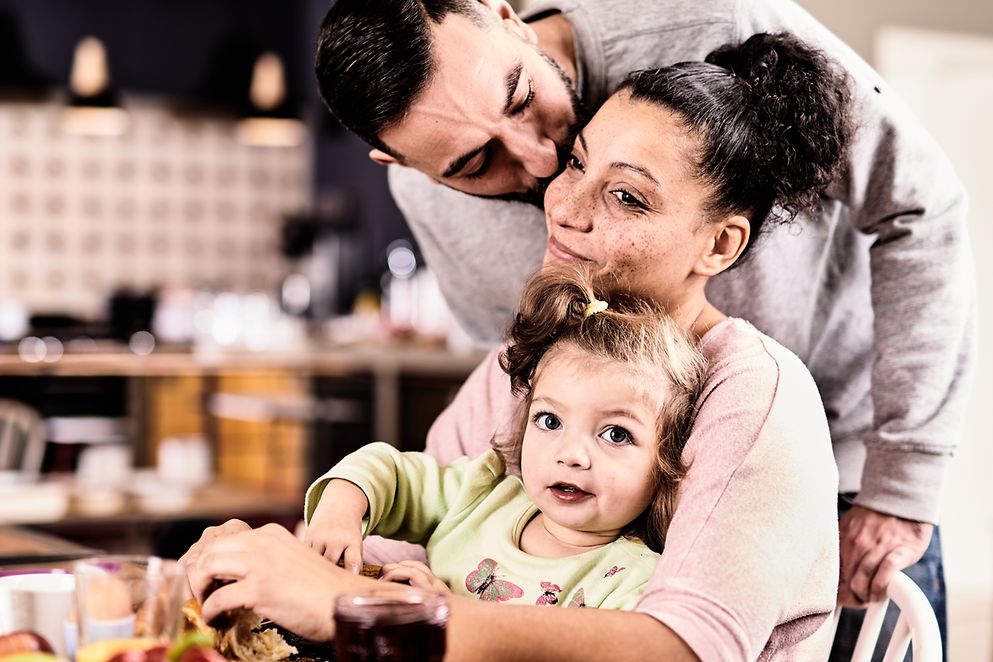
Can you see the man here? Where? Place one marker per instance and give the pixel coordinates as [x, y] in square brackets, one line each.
[875, 295]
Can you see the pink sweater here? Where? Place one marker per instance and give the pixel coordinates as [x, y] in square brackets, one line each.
[750, 567]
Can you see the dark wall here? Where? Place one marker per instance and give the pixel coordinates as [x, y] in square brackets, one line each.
[172, 47]
[343, 164]
[200, 52]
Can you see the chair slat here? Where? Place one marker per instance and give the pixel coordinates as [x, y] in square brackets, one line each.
[869, 633]
[899, 642]
[22, 438]
[834, 622]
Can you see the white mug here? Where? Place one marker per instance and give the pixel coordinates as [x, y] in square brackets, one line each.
[41, 602]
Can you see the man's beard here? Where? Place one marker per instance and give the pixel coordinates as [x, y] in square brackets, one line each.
[536, 194]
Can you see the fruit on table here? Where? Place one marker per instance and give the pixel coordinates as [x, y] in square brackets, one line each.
[23, 641]
[109, 649]
[157, 653]
[153, 654]
[33, 656]
[188, 640]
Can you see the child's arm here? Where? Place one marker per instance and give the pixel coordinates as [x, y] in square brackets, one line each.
[335, 528]
[408, 493]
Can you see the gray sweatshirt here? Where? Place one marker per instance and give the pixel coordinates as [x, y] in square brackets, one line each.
[875, 293]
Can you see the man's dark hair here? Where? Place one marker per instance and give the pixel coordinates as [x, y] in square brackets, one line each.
[374, 59]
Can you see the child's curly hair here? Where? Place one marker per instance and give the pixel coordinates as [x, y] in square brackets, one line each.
[631, 331]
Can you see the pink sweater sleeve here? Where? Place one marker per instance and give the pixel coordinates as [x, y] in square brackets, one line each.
[750, 566]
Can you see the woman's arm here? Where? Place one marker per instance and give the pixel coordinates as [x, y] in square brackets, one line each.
[279, 577]
[487, 631]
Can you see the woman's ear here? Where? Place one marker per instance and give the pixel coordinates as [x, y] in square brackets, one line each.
[727, 240]
[510, 19]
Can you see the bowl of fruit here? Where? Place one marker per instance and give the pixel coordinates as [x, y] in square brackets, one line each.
[27, 646]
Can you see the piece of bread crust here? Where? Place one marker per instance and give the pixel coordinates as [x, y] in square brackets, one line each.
[240, 638]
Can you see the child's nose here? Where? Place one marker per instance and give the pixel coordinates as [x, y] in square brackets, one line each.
[573, 452]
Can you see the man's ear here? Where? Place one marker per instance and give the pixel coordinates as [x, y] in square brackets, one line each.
[727, 240]
[510, 19]
[381, 157]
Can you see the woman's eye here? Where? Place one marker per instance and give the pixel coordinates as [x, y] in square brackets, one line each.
[547, 421]
[627, 199]
[616, 435]
[574, 163]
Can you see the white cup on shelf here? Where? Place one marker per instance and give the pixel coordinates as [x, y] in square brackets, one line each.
[184, 460]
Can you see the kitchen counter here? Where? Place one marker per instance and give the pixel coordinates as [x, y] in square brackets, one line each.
[377, 358]
[20, 546]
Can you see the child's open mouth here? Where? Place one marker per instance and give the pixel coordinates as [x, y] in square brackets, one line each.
[568, 492]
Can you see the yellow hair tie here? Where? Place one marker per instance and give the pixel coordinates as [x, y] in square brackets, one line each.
[594, 307]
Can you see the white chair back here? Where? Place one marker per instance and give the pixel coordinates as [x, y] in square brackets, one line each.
[22, 438]
[916, 626]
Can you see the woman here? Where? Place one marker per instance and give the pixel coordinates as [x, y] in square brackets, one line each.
[667, 186]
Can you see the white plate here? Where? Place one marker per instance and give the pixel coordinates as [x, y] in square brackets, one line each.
[33, 503]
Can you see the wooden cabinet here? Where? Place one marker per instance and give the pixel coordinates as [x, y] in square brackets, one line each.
[273, 421]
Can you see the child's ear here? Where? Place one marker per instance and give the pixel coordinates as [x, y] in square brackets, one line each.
[727, 240]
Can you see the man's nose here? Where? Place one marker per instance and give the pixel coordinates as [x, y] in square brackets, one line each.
[536, 154]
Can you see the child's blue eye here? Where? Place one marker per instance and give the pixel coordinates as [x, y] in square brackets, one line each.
[615, 434]
[547, 421]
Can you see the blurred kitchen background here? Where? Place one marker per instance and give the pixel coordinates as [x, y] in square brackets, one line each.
[207, 294]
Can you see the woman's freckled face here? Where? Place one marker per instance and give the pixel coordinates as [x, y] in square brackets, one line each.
[627, 201]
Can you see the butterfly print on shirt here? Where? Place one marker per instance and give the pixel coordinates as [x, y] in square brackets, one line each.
[578, 600]
[483, 582]
[549, 594]
[613, 571]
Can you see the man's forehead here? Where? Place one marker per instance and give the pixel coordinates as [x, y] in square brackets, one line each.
[464, 98]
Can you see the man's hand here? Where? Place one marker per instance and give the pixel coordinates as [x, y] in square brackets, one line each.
[281, 578]
[874, 547]
[211, 533]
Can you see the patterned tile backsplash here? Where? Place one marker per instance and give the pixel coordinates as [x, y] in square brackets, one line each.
[176, 201]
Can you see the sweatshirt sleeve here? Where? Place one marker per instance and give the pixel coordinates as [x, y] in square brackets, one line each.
[408, 493]
[751, 557]
[901, 190]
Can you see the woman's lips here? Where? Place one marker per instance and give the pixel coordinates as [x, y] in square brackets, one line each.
[560, 252]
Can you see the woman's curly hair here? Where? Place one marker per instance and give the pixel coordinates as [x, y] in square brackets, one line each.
[631, 331]
[773, 118]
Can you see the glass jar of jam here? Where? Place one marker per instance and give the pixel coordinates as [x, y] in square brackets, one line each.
[390, 625]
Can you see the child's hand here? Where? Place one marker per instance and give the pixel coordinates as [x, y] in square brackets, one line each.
[414, 573]
[335, 529]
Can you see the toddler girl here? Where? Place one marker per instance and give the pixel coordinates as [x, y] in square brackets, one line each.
[572, 510]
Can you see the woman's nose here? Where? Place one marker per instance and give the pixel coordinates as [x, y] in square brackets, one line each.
[565, 206]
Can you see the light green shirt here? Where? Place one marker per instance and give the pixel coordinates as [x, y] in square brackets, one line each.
[470, 516]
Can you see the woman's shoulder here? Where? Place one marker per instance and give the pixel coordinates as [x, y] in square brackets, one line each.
[734, 346]
[756, 386]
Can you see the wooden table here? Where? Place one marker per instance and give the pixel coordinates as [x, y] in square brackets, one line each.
[22, 547]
